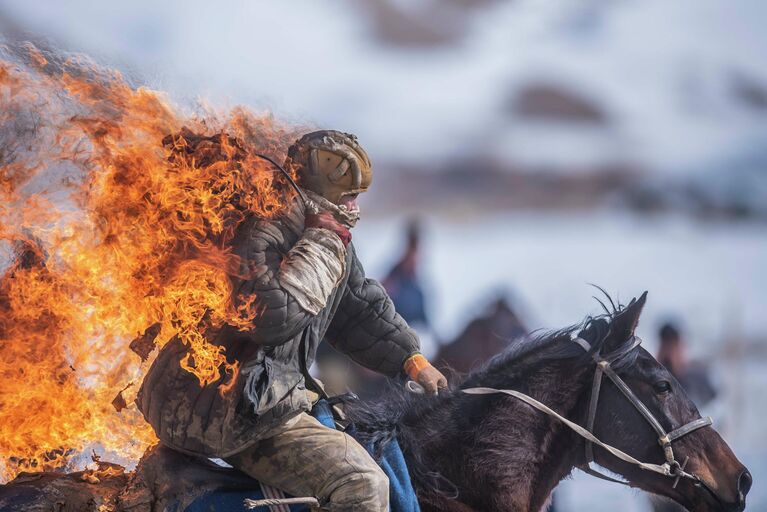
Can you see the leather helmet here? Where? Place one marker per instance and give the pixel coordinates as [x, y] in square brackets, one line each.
[330, 163]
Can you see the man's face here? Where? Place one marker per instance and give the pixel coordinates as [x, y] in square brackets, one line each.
[350, 202]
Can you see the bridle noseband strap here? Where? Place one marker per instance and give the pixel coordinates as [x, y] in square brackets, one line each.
[686, 429]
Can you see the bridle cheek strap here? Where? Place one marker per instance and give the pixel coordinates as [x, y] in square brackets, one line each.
[596, 386]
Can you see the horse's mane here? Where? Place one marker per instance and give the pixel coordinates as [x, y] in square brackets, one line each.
[378, 422]
[546, 347]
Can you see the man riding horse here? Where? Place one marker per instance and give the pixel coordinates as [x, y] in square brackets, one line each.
[308, 285]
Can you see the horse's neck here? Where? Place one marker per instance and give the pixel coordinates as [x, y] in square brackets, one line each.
[509, 457]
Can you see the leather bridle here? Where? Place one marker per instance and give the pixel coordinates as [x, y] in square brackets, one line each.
[670, 468]
[604, 368]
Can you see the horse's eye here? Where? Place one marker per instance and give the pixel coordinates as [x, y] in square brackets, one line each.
[662, 386]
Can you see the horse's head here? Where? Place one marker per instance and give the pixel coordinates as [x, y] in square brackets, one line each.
[723, 480]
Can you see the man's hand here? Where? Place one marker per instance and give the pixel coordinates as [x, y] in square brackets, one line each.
[432, 380]
[419, 369]
[325, 220]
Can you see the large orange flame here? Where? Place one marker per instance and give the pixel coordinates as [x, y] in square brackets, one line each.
[115, 218]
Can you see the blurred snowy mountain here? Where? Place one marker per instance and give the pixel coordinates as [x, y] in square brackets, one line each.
[650, 102]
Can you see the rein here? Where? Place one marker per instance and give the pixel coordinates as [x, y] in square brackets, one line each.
[671, 468]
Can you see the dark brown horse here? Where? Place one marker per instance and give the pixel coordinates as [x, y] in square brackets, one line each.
[495, 453]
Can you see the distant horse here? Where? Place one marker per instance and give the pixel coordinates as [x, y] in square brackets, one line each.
[495, 453]
[484, 337]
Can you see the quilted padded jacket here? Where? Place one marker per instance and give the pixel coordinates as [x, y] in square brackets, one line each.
[358, 318]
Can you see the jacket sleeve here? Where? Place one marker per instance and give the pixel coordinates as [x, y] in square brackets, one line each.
[366, 327]
[285, 290]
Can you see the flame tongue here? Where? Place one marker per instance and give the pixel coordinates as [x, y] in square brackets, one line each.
[116, 219]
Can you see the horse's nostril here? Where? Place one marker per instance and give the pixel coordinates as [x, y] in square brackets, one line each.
[744, 483]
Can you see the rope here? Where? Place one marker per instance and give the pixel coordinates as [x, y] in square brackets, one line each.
[268, 502]
[274, 493]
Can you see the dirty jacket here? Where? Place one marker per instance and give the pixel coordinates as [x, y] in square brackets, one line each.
[358, 319]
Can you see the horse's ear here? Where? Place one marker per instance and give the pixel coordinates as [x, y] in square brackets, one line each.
[625, 322]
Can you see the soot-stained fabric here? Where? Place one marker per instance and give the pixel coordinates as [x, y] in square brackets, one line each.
[358, 318]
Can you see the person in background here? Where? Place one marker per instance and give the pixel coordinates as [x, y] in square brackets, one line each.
[693, 377]
[402, 282]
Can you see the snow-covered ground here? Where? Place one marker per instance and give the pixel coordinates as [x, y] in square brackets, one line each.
[711, 277]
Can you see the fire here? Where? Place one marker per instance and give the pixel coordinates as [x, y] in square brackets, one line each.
[115, 218]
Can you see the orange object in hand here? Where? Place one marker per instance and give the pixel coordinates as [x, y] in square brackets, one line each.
[414, 364]
[420, 370]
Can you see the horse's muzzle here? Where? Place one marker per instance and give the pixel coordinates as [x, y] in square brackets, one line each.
[744, 485]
